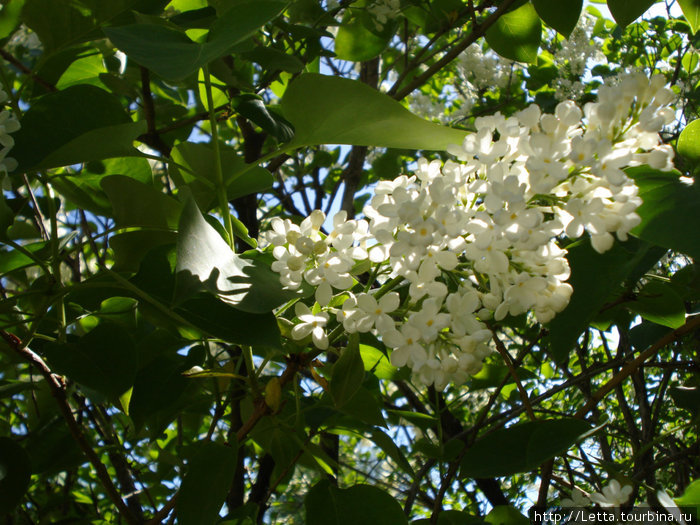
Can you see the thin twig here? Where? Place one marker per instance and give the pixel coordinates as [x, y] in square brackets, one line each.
[57, 387]
[24, 69]
[691, 324]
[514, 374]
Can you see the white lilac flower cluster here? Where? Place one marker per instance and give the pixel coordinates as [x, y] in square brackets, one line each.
[383, 11]
[8, 124]
[475, 240]
[574, 57]
[477, 71]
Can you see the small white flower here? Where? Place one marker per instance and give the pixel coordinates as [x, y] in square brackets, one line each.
[612, 495]
[311, 324]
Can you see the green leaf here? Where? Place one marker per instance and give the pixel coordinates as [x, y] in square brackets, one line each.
[594, 278]
[691, 11]
[138, 204]
[689, 142]
[687, 398]
[79, 124]
[254, 110]
[556, 16]
[158, 390]
[326, 504]
[104, 360]
[358, 39]
[231, 324]
[505, 515]
[205, 261]
[208, 479]
[273, 59]
[10, 17]
[377, 363]
[348, 373]
[130, 247]
[627, 11]
[199, 175]
[668, 211]
[365, 407]
[13, 259]
[691, 496]
[330, 110]
[521, 448]
[659, 303]
[15, 474]
[516, 34]
[84, 70]
[60, 23]
[174, 56]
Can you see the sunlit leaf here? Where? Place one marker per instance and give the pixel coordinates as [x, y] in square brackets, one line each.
[330, 110]
[516, 34]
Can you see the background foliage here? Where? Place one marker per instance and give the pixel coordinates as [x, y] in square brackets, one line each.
[133, 389]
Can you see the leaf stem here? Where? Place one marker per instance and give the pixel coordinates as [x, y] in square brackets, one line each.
[218, 171]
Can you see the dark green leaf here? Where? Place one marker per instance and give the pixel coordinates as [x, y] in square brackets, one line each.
[254, 110]
[627, 11]
[172, 55]
[138, 204]
[273, 59]
[365, 407]
[646, 334]
[199, 175]
[505, 515]
[219, 319]
[130, 247]
[79, 124]
[594, 277]
[60, 23]
[330, 110]
[521, 448]
[15, 474]
[691, 11]
[208, 479]
[326, 504]
[668, 211]
[52, 449]
[158, 390]
[456, 517]
[205, 261]
[516, 34]
[555, 15]
[348, 373]
[687, 398]
[104, 360]
[659, 303]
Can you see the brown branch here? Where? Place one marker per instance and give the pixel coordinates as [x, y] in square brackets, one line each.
[476, 33]
[24, 69]
[691, 324]
[57, 388]
[152, 137]
[514, 374]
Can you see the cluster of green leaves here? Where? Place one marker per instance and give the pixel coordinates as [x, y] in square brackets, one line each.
[146, 369]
